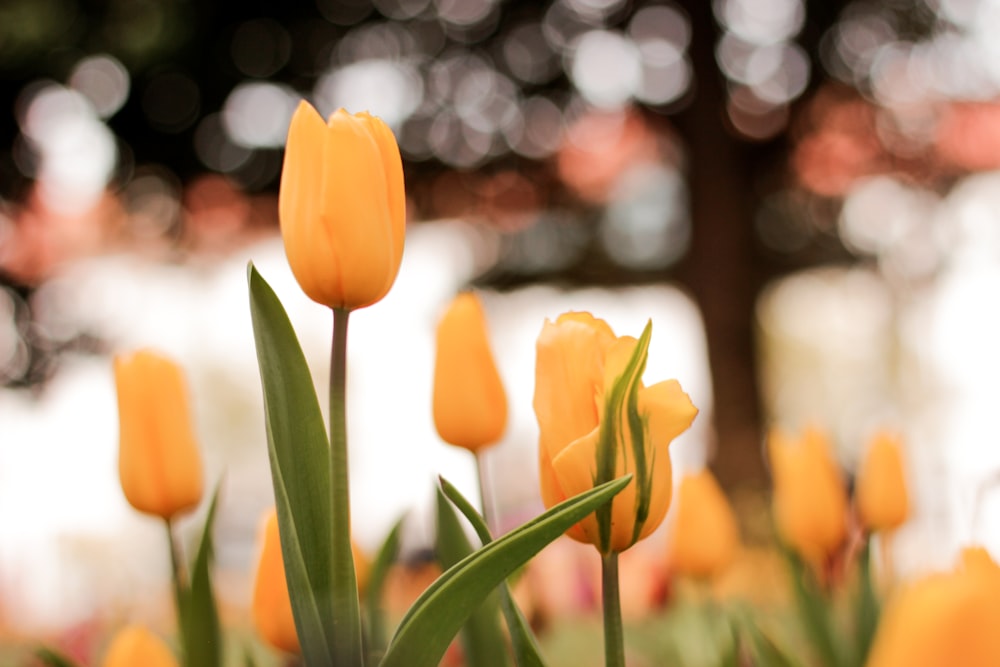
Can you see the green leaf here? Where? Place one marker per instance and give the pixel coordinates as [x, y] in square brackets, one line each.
[384, 559]
[526, 650]
[866, 605]
[201, 634]
[53, 658]
[814, 610]
[436, 617]
[482, 640]
[764, 650]
[300, 470]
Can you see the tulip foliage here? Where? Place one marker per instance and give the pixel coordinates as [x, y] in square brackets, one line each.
[606, 478]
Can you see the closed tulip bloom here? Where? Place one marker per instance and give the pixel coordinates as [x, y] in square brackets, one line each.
[943, 620]
[135, 645]
[705, 535]
[588, 391]
[272, 607]
[882, 497]
[342, 207]
[470, 405]
[158, 460]
[810, 498]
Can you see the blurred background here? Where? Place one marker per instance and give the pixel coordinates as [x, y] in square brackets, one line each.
[802, 196]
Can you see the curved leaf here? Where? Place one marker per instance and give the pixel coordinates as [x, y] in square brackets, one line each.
[300, 470]
[526, 651]
[436, 617]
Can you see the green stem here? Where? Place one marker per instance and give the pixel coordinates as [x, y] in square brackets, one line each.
[614, 638]
[481, 474]
[177, 574]
[347, 650]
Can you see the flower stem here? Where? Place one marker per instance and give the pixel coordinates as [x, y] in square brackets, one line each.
[347, 623]
[177, 574]
[614, 639]
[481, 473]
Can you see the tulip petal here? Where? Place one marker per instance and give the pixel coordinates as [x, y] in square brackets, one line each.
[354, 210]
[299, 203]
[568, 375]
[667, 409]
[574, 470]
[272, 606]
[393, 165]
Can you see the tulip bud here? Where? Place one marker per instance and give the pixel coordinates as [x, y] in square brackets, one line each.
[470, 405]
[810, 498]
[883, 501]
[342, 207]
[705, 535]
[272, 607]
[158, 462]
[943, 619]
[135, 645]
[588, 397]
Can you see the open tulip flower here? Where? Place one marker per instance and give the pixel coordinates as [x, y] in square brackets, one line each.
[158, 463]
[342, 207]
[597, 422]
[944, 619]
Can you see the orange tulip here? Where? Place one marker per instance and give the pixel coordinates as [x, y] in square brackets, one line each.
[470, 405]
[705, 535]
[810, 498]
[883, 501]
[135, 645]
[342, 207]
[158, 461]
[580, 369]
[272, 607]
[943, 620]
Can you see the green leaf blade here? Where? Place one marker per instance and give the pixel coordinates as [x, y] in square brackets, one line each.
[482, 640]
[526, 650]
[202, 633]
[427, 629]
[299, 453]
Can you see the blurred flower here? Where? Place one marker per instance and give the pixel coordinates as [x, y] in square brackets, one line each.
[588, 394]
[272, 607]
[135, 645]
[705, 535]
[810, 499]
[944, 619]
[158, 461]
[342, 207]
[882, 498]
[470, 405]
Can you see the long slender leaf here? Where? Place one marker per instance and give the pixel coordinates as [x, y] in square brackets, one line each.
[482, 640]
[202, 634]
[300, 470]
[866, 606]
[436, 617]
[526, 650]
[384, 559]
[53, 658]
[814, 610]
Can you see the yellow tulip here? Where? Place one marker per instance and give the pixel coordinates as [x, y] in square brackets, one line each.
[470, 405]
[580, 373]
[272, 607]
[342, 207]
[883, 501]
[135, 645]
[158, 461]
[943, 620]
[810, 498]
[705, 535]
